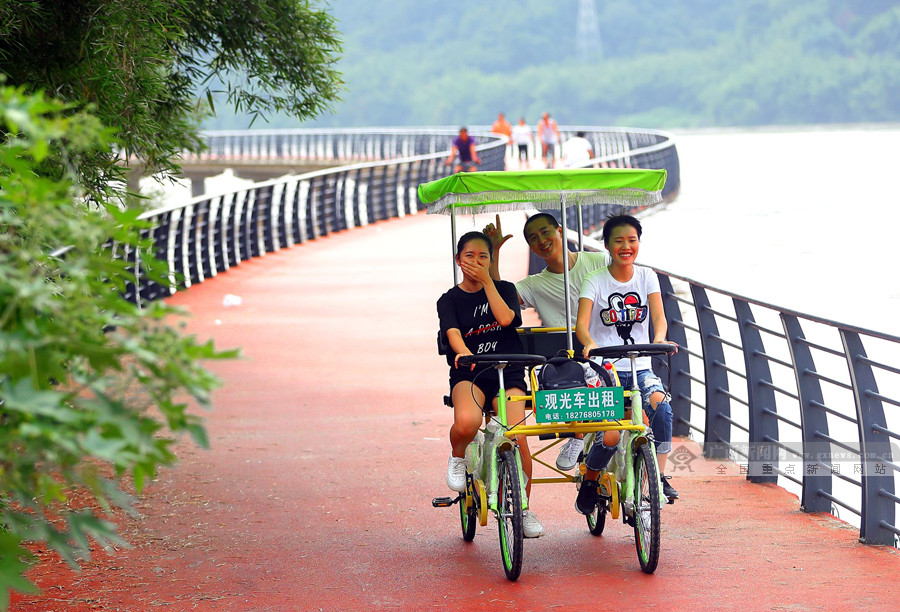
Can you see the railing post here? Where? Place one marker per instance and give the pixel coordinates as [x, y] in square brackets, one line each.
[813, 420]
[198, 234]
[211, 235]
[680, 363]
[342, 204]
[330, 208]
[382, 207]
[718, 430]
[878, 509]
[175, 255]
[276, 219]
[256, 218]
[248, 222]
[158, 234]
[262, 221]
[301, 225]
[314, 210]
[762, 454]
[214, 231]
[236, 236]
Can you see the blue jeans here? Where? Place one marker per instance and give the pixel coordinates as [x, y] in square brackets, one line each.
[660, 418]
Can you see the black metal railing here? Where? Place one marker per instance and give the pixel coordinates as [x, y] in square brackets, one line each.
[336, 145]
[207, 235]
[790, 398]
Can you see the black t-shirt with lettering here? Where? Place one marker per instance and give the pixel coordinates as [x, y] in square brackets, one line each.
[471, 314]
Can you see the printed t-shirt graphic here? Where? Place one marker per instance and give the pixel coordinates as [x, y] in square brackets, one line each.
[623, 312]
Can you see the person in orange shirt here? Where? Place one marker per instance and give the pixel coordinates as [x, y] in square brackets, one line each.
[502, 126]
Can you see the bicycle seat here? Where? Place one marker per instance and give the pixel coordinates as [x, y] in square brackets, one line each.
[495, 359]
[637, 350]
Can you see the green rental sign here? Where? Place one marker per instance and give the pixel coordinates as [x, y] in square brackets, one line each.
[586, 404]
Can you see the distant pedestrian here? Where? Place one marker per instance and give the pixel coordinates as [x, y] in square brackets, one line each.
[548, 134]
[577, 151]
[463, 153]
[502, 126]
[521, 138]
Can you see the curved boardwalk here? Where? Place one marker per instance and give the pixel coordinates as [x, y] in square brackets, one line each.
[329, 440]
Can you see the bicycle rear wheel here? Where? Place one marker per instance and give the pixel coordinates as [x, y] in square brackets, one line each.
[468, 510]
[646, 509]
[510, 515]
[597, 519]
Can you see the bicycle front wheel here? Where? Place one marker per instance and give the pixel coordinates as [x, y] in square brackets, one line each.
[646, 509]
[510, 515]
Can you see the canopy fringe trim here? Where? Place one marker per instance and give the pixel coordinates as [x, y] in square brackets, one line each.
[499, 201]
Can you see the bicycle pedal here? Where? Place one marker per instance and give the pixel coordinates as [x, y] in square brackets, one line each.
[444, 502]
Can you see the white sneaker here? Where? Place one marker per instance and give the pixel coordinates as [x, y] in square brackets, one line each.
[456, 474]
[568, 454]
[531, 526]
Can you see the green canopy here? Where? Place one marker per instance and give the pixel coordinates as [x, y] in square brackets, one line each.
[482, 192]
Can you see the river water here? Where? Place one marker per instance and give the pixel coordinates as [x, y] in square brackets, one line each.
[806, 220]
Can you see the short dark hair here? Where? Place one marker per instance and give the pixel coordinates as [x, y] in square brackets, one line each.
[550, 219]
[614, 221]
[474, 235]
[580, 134]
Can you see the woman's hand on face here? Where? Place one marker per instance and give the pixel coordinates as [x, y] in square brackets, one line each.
[476, 271]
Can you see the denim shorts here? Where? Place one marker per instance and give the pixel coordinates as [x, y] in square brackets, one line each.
[660, 418]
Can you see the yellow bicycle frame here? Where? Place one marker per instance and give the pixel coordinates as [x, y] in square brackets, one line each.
[583, 427]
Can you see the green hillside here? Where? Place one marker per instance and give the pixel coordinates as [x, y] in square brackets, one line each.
[674, 64]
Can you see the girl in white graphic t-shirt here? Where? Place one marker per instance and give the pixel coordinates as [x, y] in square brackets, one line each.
[616, 306]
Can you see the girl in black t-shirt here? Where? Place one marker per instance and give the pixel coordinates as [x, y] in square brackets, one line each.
[480, 316]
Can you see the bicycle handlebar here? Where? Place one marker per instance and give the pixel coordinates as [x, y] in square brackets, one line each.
[495, 359]
[638, 350]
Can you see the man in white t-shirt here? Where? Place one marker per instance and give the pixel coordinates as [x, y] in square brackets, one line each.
[616, 306]
[544, 291]
[577, 151]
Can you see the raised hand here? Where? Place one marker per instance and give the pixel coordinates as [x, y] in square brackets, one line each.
[495, 233]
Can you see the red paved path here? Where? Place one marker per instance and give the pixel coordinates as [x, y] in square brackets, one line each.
[329, 441]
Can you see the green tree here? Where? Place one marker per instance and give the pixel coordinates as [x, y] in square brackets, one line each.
[92, 389]
[680, 63]
[79, 365]
[144, 66]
